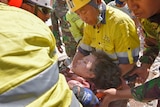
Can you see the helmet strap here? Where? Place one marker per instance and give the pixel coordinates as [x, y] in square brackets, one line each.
[99, 7]
[35, 10]
[99, 18]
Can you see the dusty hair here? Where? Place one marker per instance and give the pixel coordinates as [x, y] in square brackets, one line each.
[107, 73]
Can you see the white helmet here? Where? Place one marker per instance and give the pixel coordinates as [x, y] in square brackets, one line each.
[44, 3]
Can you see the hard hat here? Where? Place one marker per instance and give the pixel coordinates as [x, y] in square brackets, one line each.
[43, 3]
[16, 3]
[76, 4]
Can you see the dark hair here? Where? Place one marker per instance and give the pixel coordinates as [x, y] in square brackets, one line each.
[107, 73]
[155, 18]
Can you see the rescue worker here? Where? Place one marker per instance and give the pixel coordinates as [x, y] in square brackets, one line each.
[61, 28]
[122, 5]
[29, 71]
[149, 13]
[109, 30]
[76, 25]
[39, 8]
[113, 33]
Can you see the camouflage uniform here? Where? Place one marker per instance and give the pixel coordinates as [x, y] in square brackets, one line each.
[152, 39]
[61, 27]
[150, 90]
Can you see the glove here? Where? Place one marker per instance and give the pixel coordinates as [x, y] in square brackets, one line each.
[85, 96]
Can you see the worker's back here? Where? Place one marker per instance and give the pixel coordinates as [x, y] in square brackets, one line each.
[29, 74]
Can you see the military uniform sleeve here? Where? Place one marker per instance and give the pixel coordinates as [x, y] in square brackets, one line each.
[148, 91]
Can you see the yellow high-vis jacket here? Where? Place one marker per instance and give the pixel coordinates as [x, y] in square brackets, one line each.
[76, 25]
[29, 75]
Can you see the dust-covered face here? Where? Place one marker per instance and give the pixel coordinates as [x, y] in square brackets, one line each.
[144, 8]
[83, 67]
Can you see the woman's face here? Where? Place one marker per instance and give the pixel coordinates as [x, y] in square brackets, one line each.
[88, 14]
[83, 67]
[144, 8]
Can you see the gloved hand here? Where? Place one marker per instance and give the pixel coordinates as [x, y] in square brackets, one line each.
[85, 96]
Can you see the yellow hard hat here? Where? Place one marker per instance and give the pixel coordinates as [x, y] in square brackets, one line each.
[76, 4]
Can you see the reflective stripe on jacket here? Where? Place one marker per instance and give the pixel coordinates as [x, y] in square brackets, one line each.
[29, 74]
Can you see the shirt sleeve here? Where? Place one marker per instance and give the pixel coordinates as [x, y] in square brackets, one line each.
[148, 91]
[76, 25]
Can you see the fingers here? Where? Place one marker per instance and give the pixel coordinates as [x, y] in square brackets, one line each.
[140, 80]
[108, 96]
[111, 91]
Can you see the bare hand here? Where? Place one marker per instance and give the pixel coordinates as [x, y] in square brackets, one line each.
[110, 95]
[142, 73]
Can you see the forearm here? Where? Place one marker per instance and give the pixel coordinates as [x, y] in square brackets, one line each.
[125, 68]
[124, 94]
[148, 91]
[114, 95]
[132, 73]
